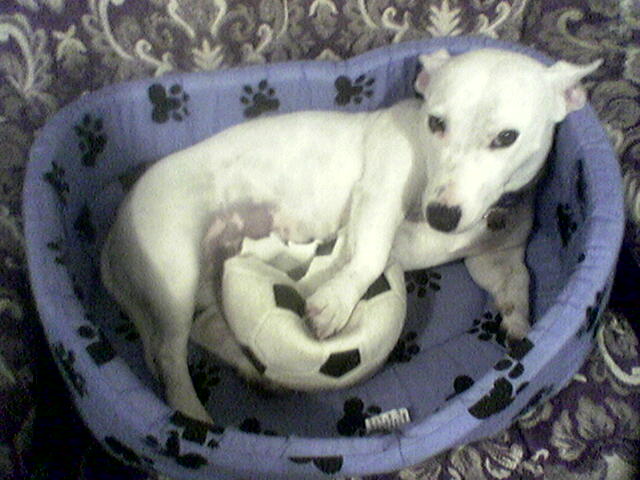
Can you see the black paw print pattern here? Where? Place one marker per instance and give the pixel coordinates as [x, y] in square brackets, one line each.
[499, 398]
[100, 350]
[56, 178]
[171, 449]
[171, 104]
[125, 453]
[581, 186]
[125, 328]
[487, 327]
[420, 281]
[57, 246]
[461, 384]
[196, 431]
[205, 377]
[191, 430]
[259, 100]
[593, 316]
[406, 348]
[92, 139]
[352, 422]
[67, 359]
[567, 225]
[505, 388]
[83, 225]
[77, 289]
[130, 176]
[353, 90]
[252, 425]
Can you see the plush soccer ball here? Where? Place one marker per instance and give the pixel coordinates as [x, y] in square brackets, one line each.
[265, 310]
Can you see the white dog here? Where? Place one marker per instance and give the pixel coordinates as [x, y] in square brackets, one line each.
[464, 158]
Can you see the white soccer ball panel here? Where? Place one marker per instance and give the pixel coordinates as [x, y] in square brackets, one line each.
[287, 345]
[247, 293]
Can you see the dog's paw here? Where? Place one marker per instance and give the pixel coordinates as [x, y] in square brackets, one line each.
[328, 310]
[515, 322]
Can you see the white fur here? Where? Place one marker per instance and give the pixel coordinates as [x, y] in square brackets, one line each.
[320, 171]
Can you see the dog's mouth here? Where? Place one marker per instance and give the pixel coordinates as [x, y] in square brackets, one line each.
[496, 215]
[496, 219]
[449, 219]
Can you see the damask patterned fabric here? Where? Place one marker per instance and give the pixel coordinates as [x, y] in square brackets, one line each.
[52, 51]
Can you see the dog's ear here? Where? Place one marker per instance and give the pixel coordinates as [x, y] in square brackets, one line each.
[565, 78]
[430, 63]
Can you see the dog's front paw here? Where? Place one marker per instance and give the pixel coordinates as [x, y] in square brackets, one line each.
[515, 321]
[328, 310]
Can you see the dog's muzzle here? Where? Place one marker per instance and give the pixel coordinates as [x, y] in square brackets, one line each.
[442, 217]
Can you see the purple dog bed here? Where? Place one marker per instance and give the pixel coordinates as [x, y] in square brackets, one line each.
[450, 369]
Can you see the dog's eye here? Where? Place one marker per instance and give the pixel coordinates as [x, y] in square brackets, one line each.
[437, 124]
[504, 139]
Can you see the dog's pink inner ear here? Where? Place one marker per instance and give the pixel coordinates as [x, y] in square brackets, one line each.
[575, 98]
[430, 63]
[422, 81]
[566, 77]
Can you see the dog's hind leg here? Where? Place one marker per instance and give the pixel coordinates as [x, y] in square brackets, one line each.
[154, 277]
[173, 302]
[504, 275]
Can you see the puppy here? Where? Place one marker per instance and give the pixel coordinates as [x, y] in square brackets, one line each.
[423, 182]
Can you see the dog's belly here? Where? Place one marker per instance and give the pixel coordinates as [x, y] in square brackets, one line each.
[291, 204]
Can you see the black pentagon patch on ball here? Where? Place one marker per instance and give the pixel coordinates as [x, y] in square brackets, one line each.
[297, 273]
[381, 285]
[288, 298]
[341, 363]
[258, 365]
[326, 248]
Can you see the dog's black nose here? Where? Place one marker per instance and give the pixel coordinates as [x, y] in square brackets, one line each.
[442, 217]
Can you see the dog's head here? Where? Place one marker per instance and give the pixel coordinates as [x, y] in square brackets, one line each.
[488, 121]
